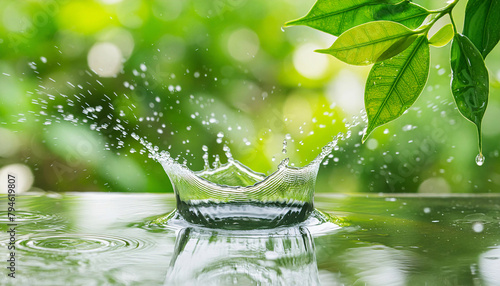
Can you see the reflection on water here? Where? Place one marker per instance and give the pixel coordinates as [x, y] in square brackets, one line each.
[265, 257]
[489, 267]
[119, 239]
[379, 265]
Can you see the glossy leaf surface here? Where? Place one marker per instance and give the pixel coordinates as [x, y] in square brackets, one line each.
[395, 84]
[337, 16]
[482, 24]
[371, 42]
[469, 82]
[443, 36]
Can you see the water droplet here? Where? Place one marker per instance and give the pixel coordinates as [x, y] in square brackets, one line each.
[480, 159]
[216, 164]
[407, 127]
[228, 153]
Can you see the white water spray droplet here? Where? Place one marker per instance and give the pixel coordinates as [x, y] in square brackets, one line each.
[228, 152]
[205, 156]
[480, 159]
[216, 163]
[220, 135]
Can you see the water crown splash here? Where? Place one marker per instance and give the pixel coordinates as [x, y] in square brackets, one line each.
[232, 196]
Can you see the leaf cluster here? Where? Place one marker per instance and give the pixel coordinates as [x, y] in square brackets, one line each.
[393, 36]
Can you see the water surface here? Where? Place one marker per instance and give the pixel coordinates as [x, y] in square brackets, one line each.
[107, 239]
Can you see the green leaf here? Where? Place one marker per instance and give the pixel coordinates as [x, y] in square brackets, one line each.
[482, 24]
[469, 83]
[394, 85]
[443, 36]
[371, 42]
[337, 16]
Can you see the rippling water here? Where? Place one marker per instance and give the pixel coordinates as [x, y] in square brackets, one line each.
[130, 239]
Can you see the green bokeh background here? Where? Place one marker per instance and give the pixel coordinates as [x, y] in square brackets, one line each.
[230, 65]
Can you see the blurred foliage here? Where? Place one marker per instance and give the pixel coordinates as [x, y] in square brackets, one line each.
[194, 72]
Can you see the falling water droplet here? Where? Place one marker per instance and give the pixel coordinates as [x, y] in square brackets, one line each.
[228, 153]
[284, 146]
[480, 159]
[216, 164]
[205, 157]
[220, 136]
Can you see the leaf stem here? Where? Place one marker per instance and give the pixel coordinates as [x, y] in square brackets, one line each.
[441, 12]
[453, 23]
[445, 9]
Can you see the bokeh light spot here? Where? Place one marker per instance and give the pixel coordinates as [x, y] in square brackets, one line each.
[372, 144]
[243, 44]
[434, 185]
[9, 143]
[23, 176]
[309, 63]
[347, 91]
[84, 17]
[122, 38]
[105, 59]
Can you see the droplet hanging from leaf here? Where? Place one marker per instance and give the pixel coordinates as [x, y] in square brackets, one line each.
[480, 159]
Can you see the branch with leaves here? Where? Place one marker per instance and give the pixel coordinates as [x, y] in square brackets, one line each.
[393, 35]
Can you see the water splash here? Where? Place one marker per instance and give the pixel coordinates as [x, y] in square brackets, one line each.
[233, 196]
[222, 195]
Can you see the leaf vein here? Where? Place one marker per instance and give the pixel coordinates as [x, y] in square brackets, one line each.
[407, 61]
